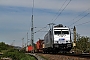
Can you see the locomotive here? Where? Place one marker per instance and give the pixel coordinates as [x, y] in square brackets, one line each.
[58, 39]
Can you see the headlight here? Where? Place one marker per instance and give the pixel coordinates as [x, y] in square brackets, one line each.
[66, 41]
[56, 41]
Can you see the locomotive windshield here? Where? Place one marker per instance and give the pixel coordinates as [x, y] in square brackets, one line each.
[61, 32]
[57, 32]
[65, 32]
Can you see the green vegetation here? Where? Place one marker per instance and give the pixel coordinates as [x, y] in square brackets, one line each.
[4, 46]
[83, 44]
[9, 51]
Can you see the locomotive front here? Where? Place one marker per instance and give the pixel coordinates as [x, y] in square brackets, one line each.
[62, 39]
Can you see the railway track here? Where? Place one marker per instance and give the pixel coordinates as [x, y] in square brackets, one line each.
[66, 56]
[78, 55]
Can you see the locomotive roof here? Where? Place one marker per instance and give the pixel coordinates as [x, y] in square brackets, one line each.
[60, 25]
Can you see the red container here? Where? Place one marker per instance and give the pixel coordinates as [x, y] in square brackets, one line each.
[29, 48]
[39, 45]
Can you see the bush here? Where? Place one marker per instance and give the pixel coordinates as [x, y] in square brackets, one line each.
[17, 55]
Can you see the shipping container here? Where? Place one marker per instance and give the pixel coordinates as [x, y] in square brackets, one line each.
[39, 45]
[29, 48]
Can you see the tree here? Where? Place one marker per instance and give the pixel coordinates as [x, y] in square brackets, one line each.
[83, 44]
[4, 46]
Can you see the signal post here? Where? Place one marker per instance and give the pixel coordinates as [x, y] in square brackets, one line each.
[74, 34]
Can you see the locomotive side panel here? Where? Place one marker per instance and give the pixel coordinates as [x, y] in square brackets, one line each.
[48, 40]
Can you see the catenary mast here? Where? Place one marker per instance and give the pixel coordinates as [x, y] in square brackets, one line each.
[32, 28]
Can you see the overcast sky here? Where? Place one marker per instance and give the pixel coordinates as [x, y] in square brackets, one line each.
[15, 17]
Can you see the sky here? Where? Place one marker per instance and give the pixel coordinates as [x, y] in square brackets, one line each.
[15, 18]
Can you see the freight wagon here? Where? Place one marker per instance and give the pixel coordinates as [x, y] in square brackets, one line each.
[39, 45]
[29, 49]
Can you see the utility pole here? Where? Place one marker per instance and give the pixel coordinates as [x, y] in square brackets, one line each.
[27, 38]
[32, 35]
[32, 29]
[74, 44]
[22, 42]
[32, 32]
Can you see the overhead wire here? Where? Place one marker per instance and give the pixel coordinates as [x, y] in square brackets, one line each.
[53, 20]
[79, 15]
[83, 23]
[80, 19]
[55, 15]
[41, 29]
[59, 10]
[59, 13]
[62, 10]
